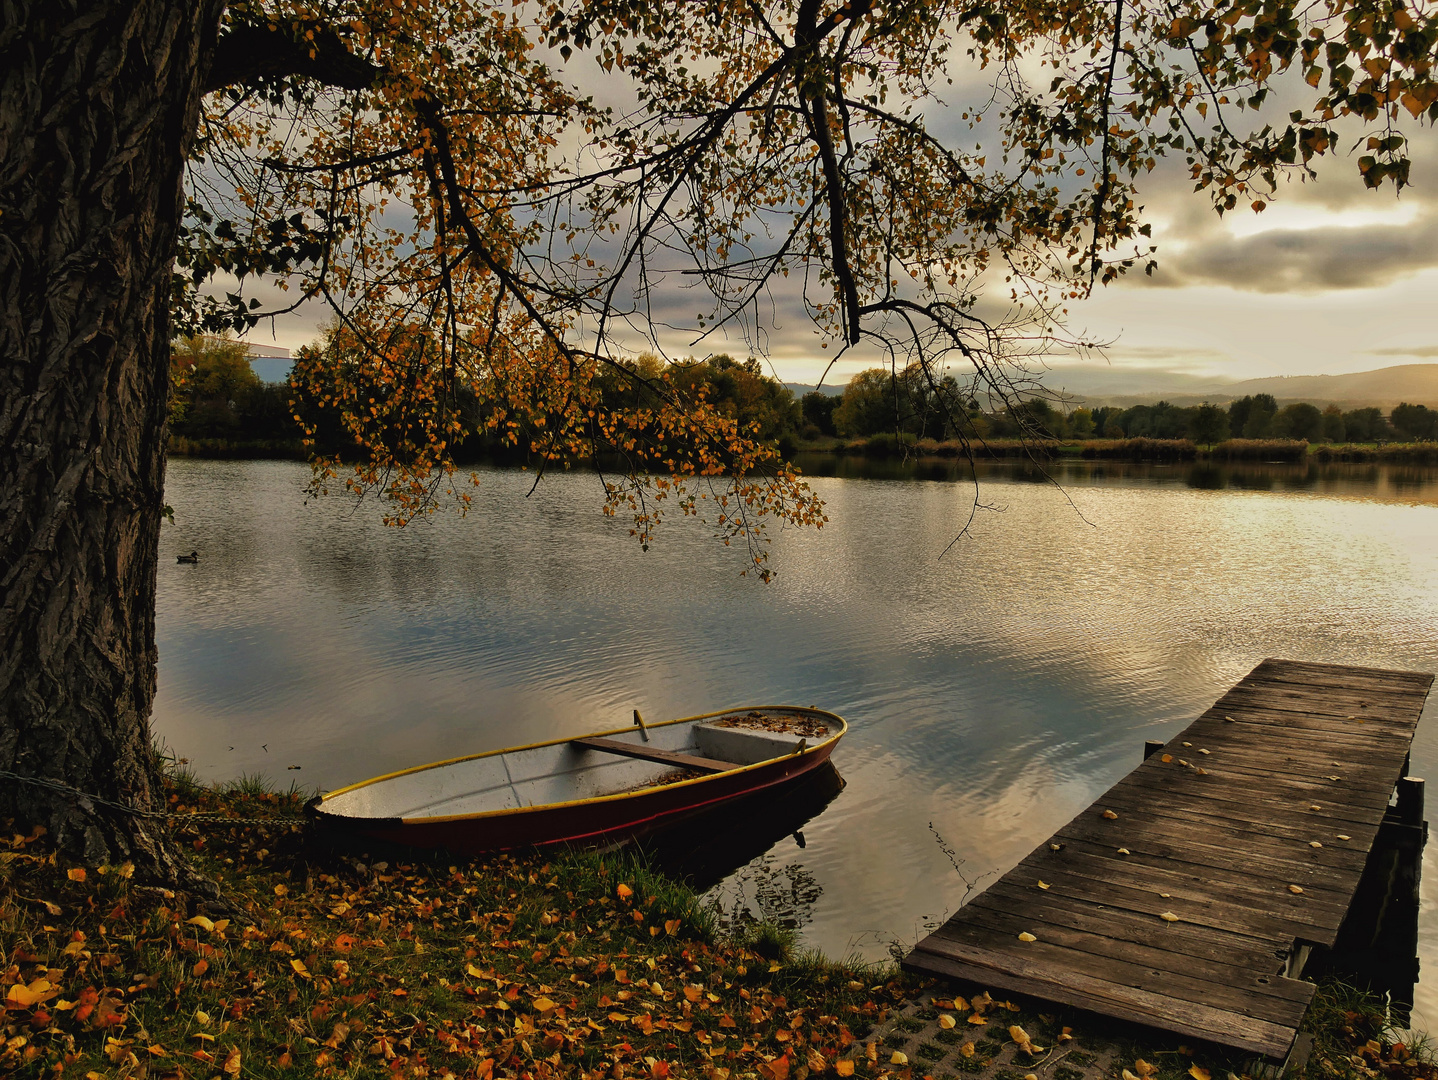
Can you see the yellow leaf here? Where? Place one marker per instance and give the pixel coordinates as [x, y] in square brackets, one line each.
[1123, 851]
[300, 969]
[946, 1021]
[1026, 936]
[1169, 916]
[967, 1050]
[1198, 1072]
[899, 1058]
[1296, 890]
[232, 1062]
[281, 890]
[1314, 843]
[1110, 815]
[1344, 836]
[200, 921]
[1315, 806]
[77, 874]
[543, 1004]
[1043, 884]
[470, 969]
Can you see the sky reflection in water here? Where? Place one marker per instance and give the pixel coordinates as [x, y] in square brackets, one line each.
[992, 691]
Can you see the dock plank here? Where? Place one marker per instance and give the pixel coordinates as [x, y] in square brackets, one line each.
[1219, 850]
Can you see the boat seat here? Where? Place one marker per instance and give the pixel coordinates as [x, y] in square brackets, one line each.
[651, 753]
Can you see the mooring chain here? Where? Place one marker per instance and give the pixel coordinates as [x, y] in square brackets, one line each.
[87, 801]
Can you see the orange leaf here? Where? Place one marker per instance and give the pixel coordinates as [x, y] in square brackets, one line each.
[201, 966]
[844, 1068]
[77, 874]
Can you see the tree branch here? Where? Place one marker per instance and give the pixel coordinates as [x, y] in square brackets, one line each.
[246, 55]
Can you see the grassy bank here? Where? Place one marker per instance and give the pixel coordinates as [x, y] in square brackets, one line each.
[1136, 449]
[583, 965]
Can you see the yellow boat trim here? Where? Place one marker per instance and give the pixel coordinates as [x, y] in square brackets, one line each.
[843, 728]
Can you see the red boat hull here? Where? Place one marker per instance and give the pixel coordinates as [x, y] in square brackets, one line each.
[591, 823]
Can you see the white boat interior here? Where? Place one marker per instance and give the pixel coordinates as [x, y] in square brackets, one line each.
[588, 767]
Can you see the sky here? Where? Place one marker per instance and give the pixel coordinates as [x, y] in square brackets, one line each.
[1331, 278]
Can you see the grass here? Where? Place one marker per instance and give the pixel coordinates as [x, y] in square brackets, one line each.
[582, 965]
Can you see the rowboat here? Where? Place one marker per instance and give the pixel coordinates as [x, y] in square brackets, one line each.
[590, 790]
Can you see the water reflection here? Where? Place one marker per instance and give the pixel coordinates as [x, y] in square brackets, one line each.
[993, 687]
[1365, 480]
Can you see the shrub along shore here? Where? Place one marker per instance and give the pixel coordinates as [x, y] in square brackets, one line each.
[1138, 449]
[580, 965]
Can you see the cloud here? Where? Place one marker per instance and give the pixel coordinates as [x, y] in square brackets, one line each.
[1305, 260]
[1424, 352]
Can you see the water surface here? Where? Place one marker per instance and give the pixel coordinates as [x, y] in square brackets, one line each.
[994, 686]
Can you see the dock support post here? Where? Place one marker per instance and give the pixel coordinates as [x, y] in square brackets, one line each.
[1410, 800]
[1151, 747]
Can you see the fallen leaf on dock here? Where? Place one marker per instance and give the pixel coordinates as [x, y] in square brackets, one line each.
[1314, 843]
[1296, 890]
[1026, 936]
[1066, 1035]
[1043, 884]
[1124, 851]
[1203, 751]
[1344, 836]
[1201, 772]
[1166, 758]
[1335, 778]
[1229, 720]
[1169, 916]
[1315, 806]
[1110, 815]
[1056, 847]
[947, 1022]
[1166, 896]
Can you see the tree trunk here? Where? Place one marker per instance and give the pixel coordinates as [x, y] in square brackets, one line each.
[98, 106]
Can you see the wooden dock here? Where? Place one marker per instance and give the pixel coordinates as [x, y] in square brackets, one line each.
[1188, 896]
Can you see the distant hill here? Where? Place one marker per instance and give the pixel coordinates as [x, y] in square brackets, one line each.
[1384, 388]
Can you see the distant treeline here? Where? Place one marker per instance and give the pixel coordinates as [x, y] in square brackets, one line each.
[220, 408]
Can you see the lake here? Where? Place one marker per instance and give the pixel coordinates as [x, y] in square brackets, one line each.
[994, 685]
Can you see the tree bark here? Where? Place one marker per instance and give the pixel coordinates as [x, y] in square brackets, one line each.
[99, 103]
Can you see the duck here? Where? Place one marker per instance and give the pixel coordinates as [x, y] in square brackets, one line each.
[193, 557]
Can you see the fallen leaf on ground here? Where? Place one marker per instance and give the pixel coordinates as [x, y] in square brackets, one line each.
[899, 1058]
[1198, 1072]
[946, 1021]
